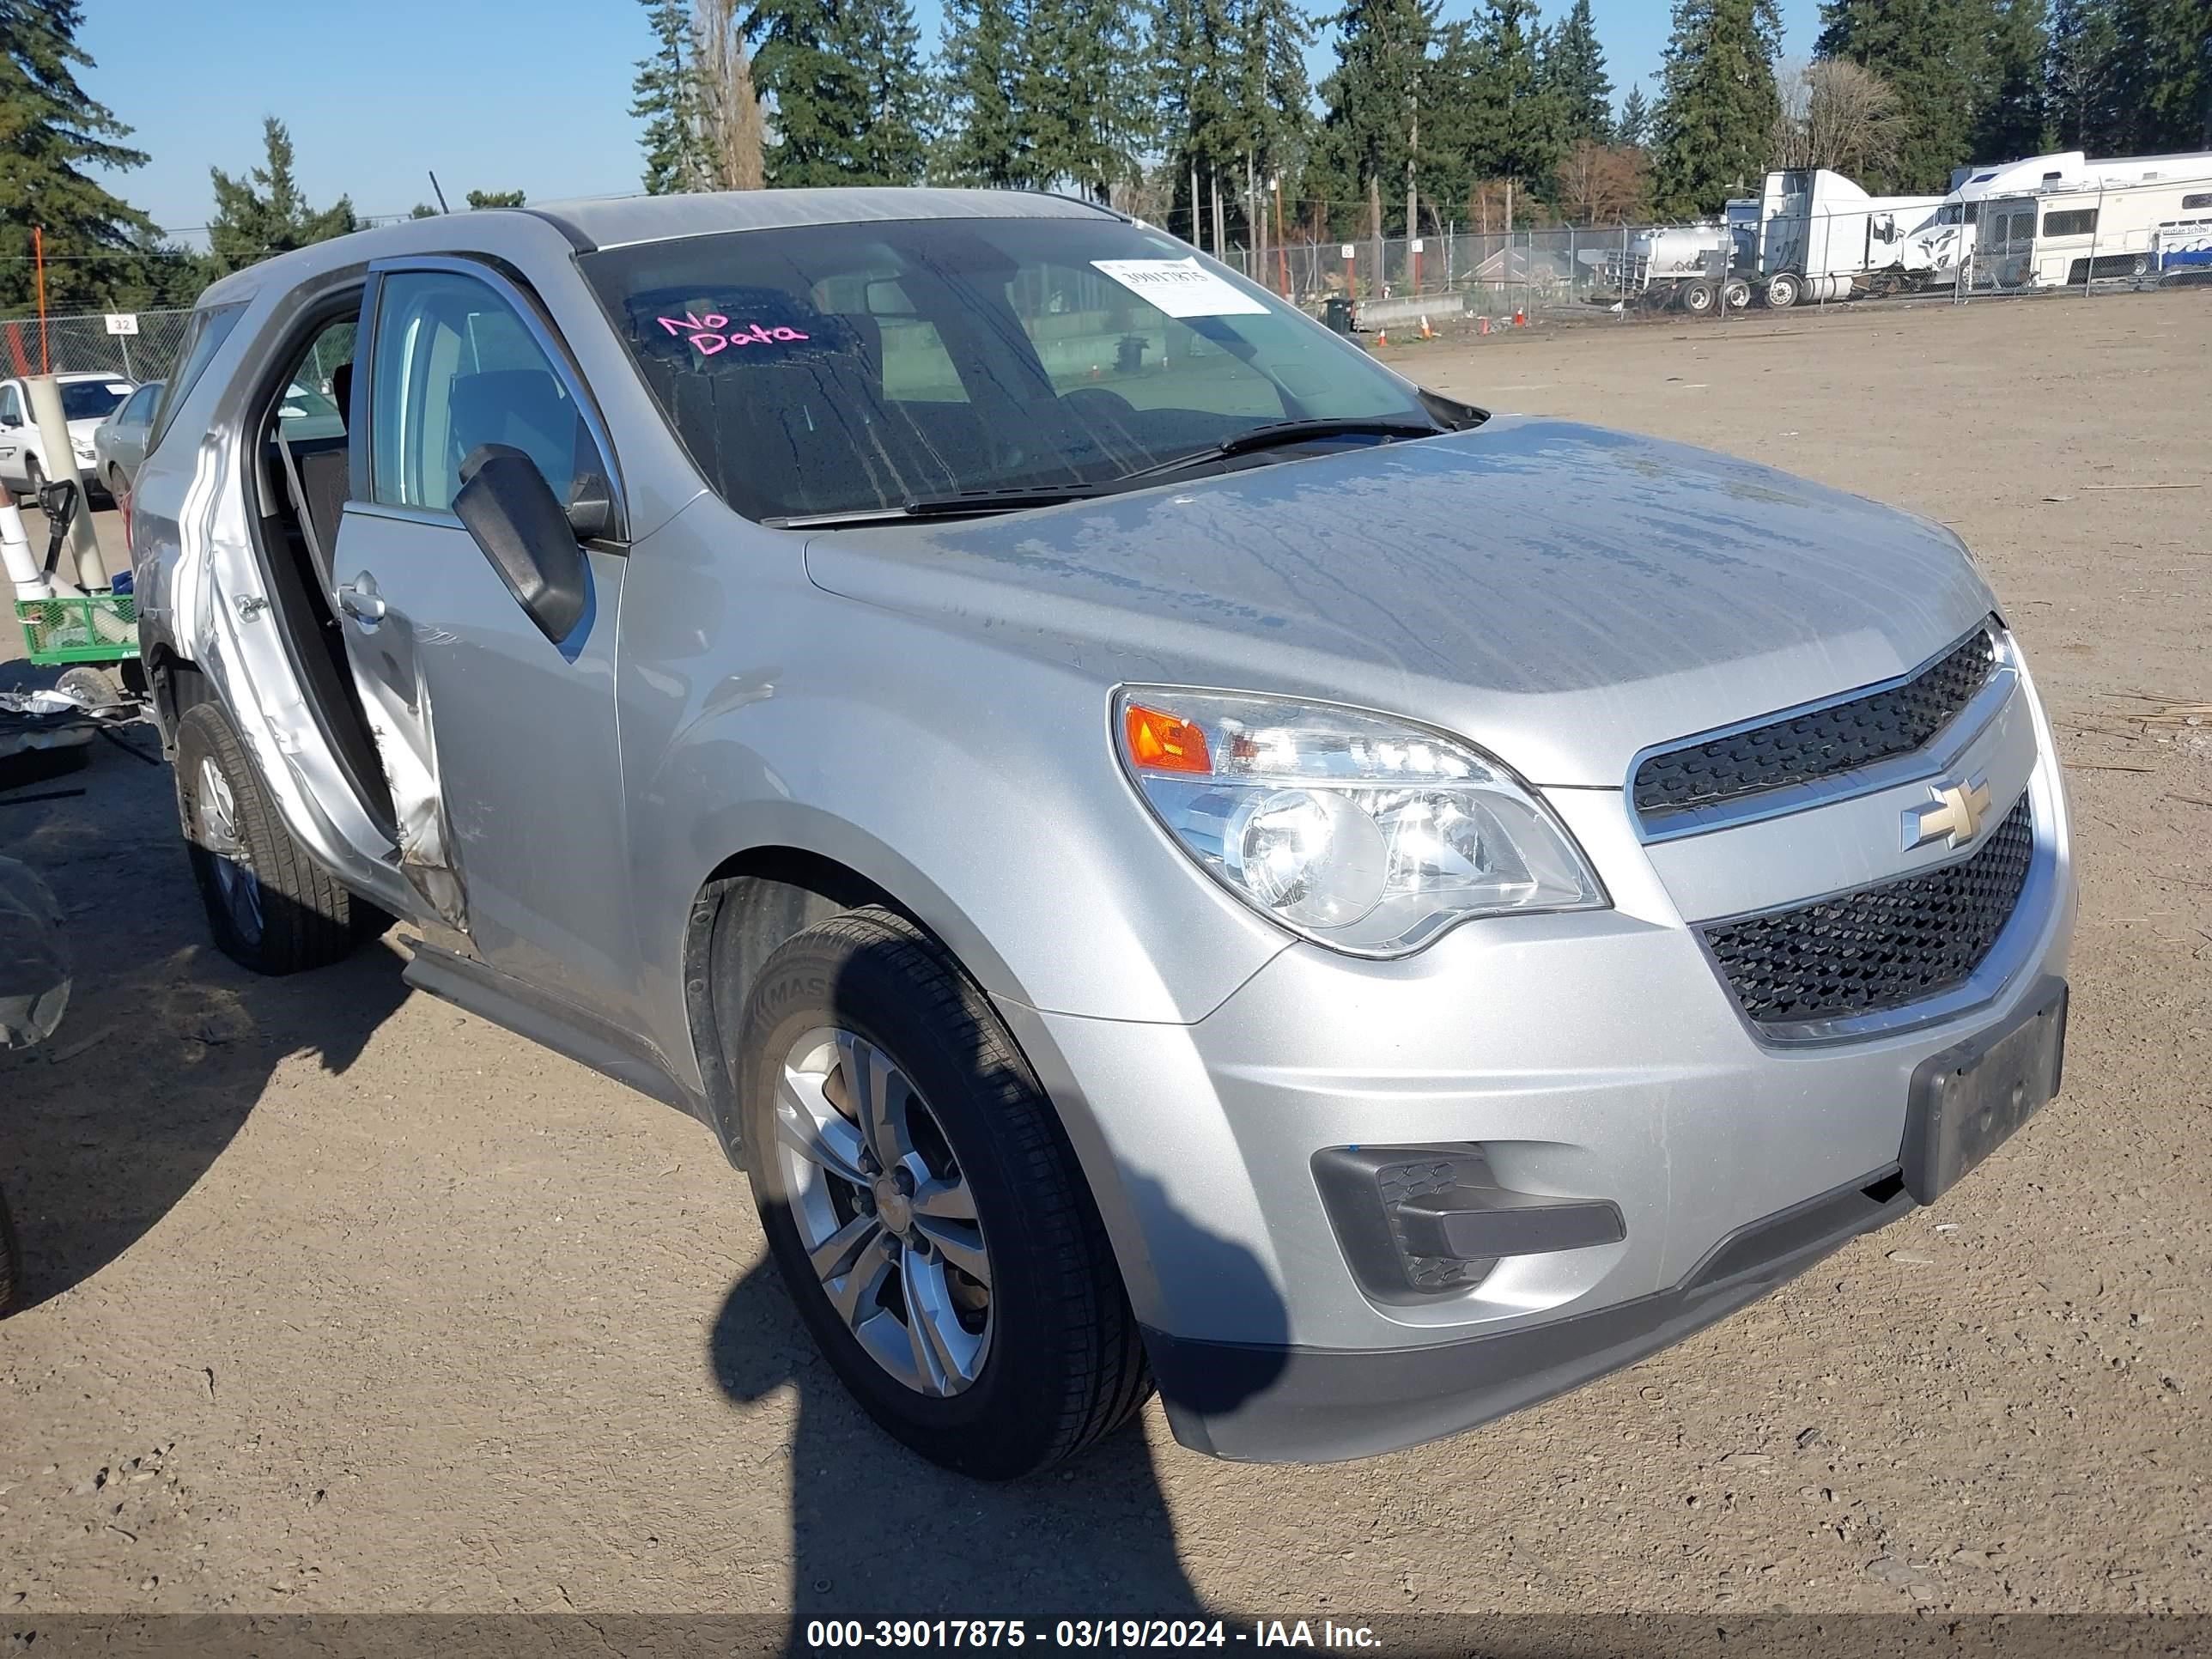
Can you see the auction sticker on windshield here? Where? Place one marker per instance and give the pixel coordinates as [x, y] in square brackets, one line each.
[1181, 288]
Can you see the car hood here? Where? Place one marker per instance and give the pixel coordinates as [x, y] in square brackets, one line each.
[1561, 594]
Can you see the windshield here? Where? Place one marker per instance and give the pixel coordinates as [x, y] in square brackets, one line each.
[93, 400]
[833, 368]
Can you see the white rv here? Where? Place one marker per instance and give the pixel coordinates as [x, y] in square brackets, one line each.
[2052, 220]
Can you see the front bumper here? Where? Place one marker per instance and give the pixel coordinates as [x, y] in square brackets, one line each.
[1594, 1056]
[1252, 1403]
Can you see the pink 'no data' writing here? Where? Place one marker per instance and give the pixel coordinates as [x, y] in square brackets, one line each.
[707, 337]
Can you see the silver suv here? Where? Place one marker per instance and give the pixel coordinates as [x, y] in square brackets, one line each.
[1169, 854]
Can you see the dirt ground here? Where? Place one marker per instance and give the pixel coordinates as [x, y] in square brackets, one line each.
[340, 1299]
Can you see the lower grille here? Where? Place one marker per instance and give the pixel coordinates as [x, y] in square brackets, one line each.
[1880, 947]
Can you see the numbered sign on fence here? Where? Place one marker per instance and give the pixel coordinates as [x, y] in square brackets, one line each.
[122, 322]
[1415, 245]
[1349, 250]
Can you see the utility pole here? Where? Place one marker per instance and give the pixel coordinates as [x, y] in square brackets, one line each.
[1375, 229]
[1412, 196]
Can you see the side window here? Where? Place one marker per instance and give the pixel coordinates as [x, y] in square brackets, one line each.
[204, 332]
[2080, 221]
[314, 402]
[456, 369]
[140, 409]
[11, 406]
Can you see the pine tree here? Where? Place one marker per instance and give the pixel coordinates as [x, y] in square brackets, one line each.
[1085, 94]
[2085, 74]
[1201, 87]
[979, 73]
[492, 198]
[1275, 96]
[1574, 67]
[1934, 54]
[666, 99]
[1374, 95]
[891, 147]
[2015, 119]
[822, 63]
[2162, 80]
[262, 211]
[50, 131]
[1521, 116]
[1634, 127]
[1717, 111]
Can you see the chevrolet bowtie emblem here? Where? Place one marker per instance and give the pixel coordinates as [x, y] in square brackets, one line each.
[1955, 815]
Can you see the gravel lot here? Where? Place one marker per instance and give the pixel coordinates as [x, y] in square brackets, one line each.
[341, 1299]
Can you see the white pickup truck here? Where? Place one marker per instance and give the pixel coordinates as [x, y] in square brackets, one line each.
[87, 400]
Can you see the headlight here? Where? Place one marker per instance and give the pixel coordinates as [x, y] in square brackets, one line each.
[1363, 833]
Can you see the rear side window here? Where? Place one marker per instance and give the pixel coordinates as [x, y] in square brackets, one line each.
[2203, 199]
[141, 406]
[2079, 221]
[204, 332]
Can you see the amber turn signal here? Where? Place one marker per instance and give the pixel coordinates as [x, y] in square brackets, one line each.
[1161, 742]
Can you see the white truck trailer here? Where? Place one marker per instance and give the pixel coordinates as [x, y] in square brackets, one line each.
[1816, 235]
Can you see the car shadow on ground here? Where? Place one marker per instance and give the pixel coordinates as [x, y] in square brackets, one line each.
[879, 1533]
[166, 1045]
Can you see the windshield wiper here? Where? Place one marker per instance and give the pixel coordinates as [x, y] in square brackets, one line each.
[1277, 435]
[954, 504]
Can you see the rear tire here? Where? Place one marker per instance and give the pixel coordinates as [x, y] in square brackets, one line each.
[11, 1259]
[270, 907]
[1697, 297]
[1046, 1359]
[1735, 293]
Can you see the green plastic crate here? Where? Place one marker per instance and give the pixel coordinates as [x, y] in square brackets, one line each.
[90, 628]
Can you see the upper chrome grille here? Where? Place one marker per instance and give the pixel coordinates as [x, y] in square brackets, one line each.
[1840, 737]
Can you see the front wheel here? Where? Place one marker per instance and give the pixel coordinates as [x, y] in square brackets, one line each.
[924, 1205]
[270, 907]
[1782, 291]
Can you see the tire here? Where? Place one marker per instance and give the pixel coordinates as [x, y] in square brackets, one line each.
[89, 686]
[1783, 290]
[11, 1259]
[1735, 293]
[1045, 1360]
[1697, 297]
[270, 907]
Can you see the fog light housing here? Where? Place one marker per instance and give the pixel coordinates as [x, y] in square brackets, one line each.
[1421, 1222]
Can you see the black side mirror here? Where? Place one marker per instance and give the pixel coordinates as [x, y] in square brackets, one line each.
[508, 507]
[591, 508]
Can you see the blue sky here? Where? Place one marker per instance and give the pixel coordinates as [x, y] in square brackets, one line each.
[495, 94]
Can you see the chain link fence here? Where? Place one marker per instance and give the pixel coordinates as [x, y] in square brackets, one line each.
[74, 345]
[1760, 258]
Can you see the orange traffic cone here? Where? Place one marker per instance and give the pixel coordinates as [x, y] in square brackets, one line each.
[1427, 333]
[1382, 337]
[1485, 323]
[1520, 319]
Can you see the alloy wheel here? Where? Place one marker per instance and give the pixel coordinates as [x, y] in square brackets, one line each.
[216, 817]
[886, 1216]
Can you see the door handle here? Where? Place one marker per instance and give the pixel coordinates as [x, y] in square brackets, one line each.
[360, 600]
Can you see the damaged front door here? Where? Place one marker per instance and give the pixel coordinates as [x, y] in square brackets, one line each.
[499, 744]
